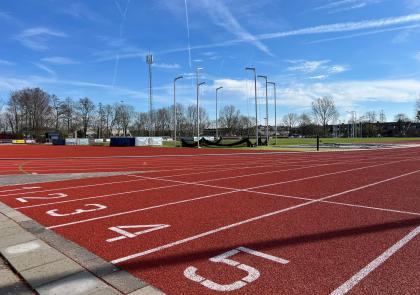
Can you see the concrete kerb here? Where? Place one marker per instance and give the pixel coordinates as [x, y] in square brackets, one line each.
[50, 263]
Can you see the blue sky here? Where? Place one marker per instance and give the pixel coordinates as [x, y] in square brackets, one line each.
[363, 53]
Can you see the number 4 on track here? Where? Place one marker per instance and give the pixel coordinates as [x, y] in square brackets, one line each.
[122, 230]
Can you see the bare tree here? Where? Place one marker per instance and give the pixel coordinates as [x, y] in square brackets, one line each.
[123, 117]
[57, 111]
[417, 110]
[382, 116]
[324, 111]
[109, 114]
[29, 111]
[371, 117]
[69, 115]
[403, 123]
[85, 108]
[290, 120]
[229, 118]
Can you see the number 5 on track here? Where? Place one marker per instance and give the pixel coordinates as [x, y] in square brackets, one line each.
[253, 273]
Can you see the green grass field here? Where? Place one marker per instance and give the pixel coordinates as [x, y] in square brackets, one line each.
[284, 142]
[299, 141]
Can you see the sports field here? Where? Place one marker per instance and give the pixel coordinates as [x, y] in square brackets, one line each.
[211, 221]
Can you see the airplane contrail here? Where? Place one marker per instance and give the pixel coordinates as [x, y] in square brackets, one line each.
[188, 32]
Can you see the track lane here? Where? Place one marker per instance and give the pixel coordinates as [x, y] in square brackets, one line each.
[324, 249]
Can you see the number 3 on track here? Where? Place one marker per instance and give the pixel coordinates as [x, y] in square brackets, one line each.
[253, 274]
[91, 208]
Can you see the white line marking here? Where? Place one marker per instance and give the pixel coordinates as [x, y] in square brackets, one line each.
[20, 189]
[102, 196]
[126, 234]
[354, 280]
[179, 183]
[264, 255]
[132, 175]
[139, 210]
[204, 234]
[144, 178]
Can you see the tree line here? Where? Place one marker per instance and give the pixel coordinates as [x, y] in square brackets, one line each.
[31, 112]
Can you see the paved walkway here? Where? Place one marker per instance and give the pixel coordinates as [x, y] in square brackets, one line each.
[47, 264]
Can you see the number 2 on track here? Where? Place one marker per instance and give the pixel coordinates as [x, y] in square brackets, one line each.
[53, 196]
[126, 234]
[253, 273]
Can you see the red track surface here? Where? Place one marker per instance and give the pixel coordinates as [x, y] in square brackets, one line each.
[347, 221]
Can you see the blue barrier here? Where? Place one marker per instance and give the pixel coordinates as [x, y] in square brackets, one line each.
[59, 142]
[123, 141]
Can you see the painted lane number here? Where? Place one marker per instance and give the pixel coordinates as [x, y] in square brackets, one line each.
[124, 234]
[52, 196]
[93, 207]
[253, 274]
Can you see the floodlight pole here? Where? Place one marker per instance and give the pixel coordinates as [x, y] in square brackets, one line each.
[198, 114]
[149, 61]
[175, 121]
[217, 110]
[275, 109]
[266, 106]
[256, 102]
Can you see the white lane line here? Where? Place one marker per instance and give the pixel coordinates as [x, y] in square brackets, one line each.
[139, 210]
[202, 182]
[204, 234]
[101, 196]
[140, 178]
[180, 183]
[73, 187]
[336, 203]
[354, 280]
[20, 189]
[133, 175]
[329, 174]
[373, 208]
[159, 156]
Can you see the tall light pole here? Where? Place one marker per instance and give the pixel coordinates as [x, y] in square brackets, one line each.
[353, 125]
[149, 61]
[275, 109]
[217, 111]
[198, 84]
[198, 114]
[256, 102]
[266, 106]
[175, 122]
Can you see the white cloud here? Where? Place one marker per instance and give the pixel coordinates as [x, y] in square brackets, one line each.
[345, 93]
[223, 17]
[336, 69]
[307, 66]
[323, 68]
[35, 38]
[317, 30]
[45, 68]
[166, 66]
[59, 60]
[4, 62]
[345, 5]
[413, 4]
[319, 77]
[348, 93]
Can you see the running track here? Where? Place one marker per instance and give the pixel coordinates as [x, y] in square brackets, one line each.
[260, 223]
